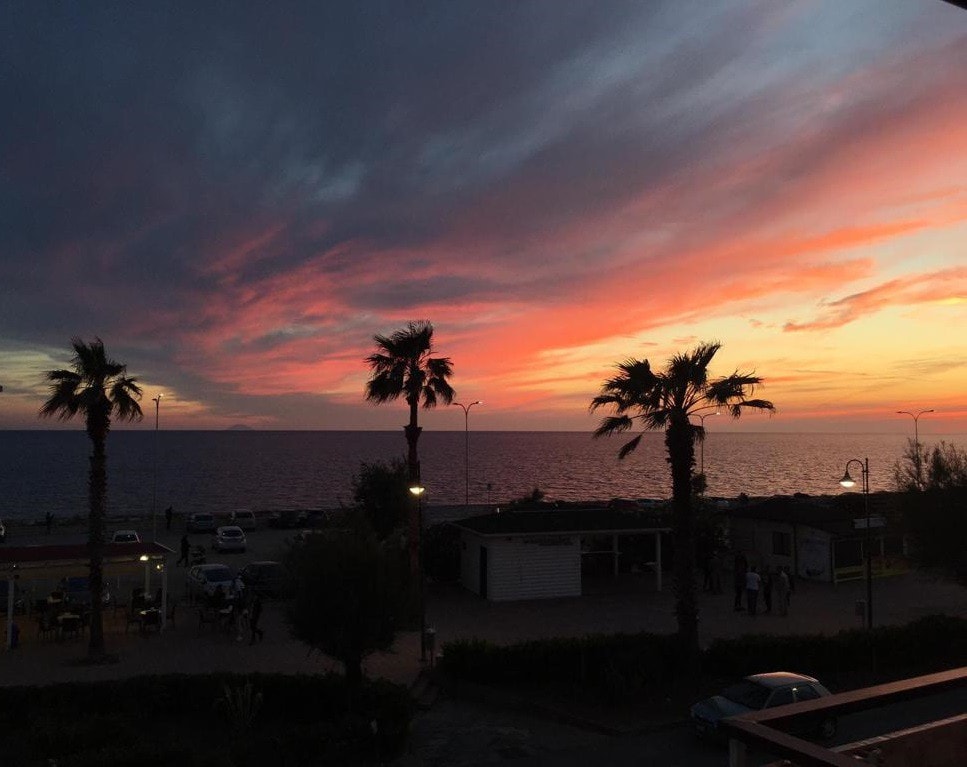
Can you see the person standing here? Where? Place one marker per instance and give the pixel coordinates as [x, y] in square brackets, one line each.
[739, 572]
[782, 591]
[169, 512]
[48, 521]
[185, 551]
[255, 615]
[752, 585]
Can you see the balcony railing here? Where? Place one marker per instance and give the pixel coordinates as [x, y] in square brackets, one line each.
[758, 728]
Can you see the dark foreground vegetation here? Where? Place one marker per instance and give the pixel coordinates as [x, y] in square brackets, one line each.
[217, 720]
[625, 668]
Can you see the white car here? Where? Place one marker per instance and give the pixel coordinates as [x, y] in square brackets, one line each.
[125, 536]
[204, 579]
[244, 518]
[228, 538]
[200, 522]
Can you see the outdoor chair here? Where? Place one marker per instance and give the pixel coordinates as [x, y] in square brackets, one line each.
[206, 617]
[70, 627]
[46, 626]
[151, 620]
[133, 619]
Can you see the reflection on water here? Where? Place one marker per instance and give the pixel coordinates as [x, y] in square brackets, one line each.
[218, 471]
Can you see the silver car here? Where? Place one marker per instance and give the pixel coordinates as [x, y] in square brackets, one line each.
[760, 691]
[204, 579]
[229, 538]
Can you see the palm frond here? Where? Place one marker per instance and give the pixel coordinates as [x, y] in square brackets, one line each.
[613, 424]
[629, 447]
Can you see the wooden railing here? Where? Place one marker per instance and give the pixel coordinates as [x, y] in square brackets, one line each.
[757, 728]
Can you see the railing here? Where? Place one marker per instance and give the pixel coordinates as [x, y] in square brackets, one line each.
[757, 728]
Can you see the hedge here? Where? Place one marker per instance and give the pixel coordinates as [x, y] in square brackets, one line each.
[184, 719]
[621, 666]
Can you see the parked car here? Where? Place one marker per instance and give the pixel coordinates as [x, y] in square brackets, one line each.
[125, 536]
[266, 578]
[228, 538]
[761, 691]
[286, 520]
[244, 518]
[201, 522]
[204, 579]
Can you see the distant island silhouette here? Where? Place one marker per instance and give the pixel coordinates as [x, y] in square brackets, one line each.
[240, 427]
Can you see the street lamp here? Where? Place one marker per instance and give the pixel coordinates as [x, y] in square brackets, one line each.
[418, 491]
[701, 444]
[916, 441]
[848, 481]
[466, 440]
[154, 489]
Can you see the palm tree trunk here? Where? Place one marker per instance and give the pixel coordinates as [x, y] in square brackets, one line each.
[97, 492]
[412, 431]
[679, 440]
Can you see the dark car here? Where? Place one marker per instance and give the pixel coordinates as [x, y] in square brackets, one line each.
[761, 691]
[286, 520]
[266, 578]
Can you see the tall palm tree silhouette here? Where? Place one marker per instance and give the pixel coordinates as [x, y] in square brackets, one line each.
[98, 388]
[664, 401]
[402, 366]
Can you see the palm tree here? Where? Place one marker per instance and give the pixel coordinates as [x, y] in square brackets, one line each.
[402, 367]
[664, 401]
[98, 388]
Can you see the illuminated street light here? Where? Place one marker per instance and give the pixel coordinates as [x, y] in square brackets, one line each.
[847, 481]
[418, 491]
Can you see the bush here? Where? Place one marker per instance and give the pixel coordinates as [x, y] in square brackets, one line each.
[176, 719]
[927, 644]
[624, 666]
[611, 667]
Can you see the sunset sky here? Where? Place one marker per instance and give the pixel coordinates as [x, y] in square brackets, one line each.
[236, 197]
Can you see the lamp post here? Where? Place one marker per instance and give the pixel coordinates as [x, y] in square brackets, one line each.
[916, 441]
[701, 444]
[848, 481]
[154, 488]
[418, 491]
[466, 442]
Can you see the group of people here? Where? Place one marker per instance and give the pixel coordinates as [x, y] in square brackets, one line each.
[243, 610]
[774, 586]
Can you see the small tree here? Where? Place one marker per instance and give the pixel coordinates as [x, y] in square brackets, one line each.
[935, 518]
[381, 494]
[349, 597]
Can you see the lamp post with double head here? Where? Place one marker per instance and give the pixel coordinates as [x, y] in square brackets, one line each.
[154, 486]
[848, 481]
[916, 441]
[466, 442]
[418, 491]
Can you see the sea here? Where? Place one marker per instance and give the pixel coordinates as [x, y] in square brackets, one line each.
[217, 471]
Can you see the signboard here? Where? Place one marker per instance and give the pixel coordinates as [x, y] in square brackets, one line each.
[860, 524]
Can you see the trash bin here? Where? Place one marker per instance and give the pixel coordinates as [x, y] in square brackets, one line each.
[429, 642]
